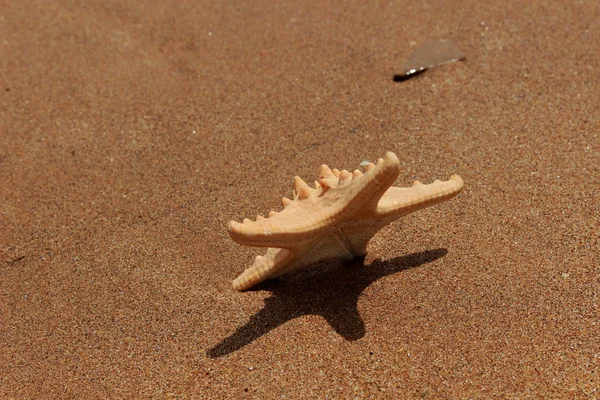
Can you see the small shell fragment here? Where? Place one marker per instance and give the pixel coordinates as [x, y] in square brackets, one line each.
[427, 56]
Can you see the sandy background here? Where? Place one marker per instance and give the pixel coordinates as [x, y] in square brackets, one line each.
[132, 132]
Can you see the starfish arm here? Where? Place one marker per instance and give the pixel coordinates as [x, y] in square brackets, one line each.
[397, 202]
[264, 267]
[315, 210]
[371, 190]
[278, 262]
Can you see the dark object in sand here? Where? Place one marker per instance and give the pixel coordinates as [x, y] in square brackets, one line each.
[427, 56]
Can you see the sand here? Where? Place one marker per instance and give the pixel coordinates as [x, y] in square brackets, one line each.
[132, 132]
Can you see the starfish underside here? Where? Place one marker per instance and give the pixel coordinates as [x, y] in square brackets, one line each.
[335, 219]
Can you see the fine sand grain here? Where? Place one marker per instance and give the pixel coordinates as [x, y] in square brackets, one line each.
[131, 133]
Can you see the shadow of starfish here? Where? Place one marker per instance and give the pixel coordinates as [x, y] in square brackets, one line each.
[329, 292]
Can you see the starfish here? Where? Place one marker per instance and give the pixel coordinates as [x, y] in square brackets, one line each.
[334, 220]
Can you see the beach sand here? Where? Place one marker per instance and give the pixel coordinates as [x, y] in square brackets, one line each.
[131, 133]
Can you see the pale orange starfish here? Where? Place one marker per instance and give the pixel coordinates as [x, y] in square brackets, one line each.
[335, 220]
